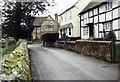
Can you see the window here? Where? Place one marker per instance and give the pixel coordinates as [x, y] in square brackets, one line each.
[65, 16]
[61, 18]
[109, 6]
[85, 31]
[70, 13]
[108, 26]
[69, 31]
[49, 27]
[61, 32]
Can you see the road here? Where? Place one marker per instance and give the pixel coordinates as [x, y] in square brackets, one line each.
[60, 64]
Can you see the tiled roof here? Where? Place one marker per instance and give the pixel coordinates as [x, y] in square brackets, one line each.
[69, 8]
[38, 21]
[91, 5]
[69, 25]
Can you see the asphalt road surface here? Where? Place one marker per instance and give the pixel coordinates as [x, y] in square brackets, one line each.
[60, 64]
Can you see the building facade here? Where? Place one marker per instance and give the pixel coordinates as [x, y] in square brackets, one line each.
[43, 25]
[69, 20]
[98, 18]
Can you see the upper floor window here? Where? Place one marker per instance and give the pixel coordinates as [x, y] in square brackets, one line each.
[109, 6]
[61, 18]
[65, 15]
[70, 13]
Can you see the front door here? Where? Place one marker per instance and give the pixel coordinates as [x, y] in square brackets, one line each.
[91, 30]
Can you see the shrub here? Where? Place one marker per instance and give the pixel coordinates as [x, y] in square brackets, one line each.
[73, 38]
[110, 36]
[70, 38]
[98, 39]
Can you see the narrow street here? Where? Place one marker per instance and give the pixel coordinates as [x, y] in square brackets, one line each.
[59, 64]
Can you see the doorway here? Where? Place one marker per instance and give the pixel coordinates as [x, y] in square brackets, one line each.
[91, 29]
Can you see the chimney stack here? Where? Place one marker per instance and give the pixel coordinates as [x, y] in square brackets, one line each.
[56, 18]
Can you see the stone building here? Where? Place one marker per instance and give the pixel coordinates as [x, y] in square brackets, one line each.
[43, 25]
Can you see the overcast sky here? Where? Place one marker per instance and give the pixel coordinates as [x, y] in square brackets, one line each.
[60, 6]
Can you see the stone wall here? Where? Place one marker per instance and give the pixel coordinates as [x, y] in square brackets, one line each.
[16, 65]
[98, 49]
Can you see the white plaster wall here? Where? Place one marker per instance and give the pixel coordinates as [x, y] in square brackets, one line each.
[101, 27]
[102, 8]
[82, 23]
[84, 36]
[118, 21]
[91, 20]
[96, 30]
[82, 16]
[90, 13]
[116, 34]
[95, 11]
[115, 13]
[95, 19]
[115, 24]
[119, 28]
[108, 16]
[115, 4]
[101, 17]
[119, 35]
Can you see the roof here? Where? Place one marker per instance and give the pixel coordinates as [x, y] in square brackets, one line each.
[69, 8]
[91, 5]
[69, 25]
[38, 21]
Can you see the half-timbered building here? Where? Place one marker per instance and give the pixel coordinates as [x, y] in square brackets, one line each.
[98, 18]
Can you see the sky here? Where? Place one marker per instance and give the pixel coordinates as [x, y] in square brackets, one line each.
[60, 6]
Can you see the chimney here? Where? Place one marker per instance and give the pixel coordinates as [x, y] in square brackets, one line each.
[56, 18]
